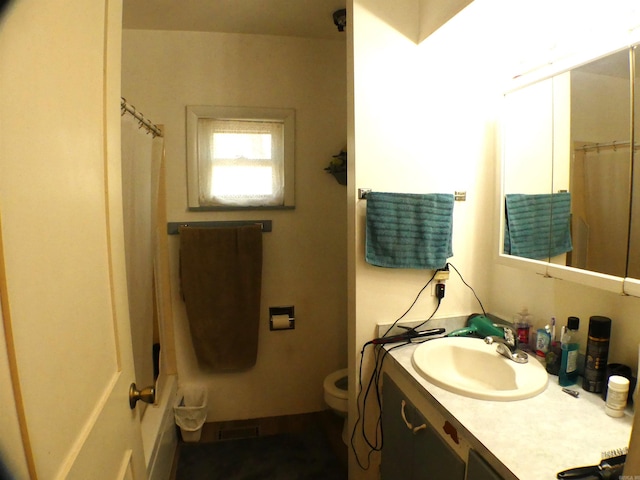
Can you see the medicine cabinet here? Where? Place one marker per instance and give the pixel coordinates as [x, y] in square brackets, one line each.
[569, 135]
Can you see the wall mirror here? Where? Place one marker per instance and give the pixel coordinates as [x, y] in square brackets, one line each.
[567, 171]
[600, 164]
[633, 262]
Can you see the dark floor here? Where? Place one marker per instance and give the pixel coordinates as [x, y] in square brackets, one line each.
[294, 447]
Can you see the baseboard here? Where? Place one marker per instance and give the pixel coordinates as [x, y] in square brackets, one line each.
[236, 429]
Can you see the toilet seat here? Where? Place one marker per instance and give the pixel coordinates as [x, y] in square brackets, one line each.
[331, 384]
[338, 398]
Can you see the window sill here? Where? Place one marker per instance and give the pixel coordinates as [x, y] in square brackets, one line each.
[226, 208]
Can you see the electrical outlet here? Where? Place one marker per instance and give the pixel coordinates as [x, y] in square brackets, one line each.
[441, 275]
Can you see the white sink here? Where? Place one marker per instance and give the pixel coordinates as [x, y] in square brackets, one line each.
[470, 367]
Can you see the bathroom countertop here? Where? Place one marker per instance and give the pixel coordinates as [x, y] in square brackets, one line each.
[533, 438]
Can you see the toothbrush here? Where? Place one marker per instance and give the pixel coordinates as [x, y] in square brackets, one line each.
[553, 329]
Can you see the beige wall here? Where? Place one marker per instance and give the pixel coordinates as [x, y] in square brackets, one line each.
[305, 255]
[419, 126]
[424, 118]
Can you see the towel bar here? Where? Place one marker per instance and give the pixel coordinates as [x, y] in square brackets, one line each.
[459, 196]
[173, 228]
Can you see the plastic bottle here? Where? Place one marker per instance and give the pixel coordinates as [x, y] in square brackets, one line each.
[617, 393]
[597, 354]
[522, 321]
[554, 354]
[543, 340]
[568, 374]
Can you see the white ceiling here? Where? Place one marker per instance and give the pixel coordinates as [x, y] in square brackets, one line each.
[299, 18]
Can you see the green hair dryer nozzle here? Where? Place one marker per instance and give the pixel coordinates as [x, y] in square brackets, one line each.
[479, 325]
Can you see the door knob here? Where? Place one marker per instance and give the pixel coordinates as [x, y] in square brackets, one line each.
[147, 395]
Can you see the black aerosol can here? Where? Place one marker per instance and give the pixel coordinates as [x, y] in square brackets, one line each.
[595, 362]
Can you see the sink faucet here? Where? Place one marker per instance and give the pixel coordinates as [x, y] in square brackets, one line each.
[508, 346]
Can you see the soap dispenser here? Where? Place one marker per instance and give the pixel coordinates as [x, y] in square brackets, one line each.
[522, 321]
[568, 374]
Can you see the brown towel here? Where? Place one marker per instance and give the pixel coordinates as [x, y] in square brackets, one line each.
[221, 276]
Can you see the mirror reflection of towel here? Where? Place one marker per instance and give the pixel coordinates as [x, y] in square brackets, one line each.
[221, 276]
[406, 230]
[537, 226]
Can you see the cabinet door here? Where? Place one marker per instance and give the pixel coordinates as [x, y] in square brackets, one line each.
[433, 459]
[479, 469]
[397, 451]
[412, 449]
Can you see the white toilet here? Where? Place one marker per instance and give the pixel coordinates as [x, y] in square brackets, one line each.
[336, 395]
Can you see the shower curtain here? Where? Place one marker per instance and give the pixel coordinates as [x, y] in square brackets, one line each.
[141, 160]
[600, 213]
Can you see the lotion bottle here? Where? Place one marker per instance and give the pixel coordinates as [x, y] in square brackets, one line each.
[568, 374]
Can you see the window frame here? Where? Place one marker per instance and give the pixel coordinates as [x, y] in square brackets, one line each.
[197, 112]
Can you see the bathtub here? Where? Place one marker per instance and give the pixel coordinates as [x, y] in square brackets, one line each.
[159, 436]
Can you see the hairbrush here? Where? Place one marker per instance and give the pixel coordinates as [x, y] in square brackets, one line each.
[610, 466]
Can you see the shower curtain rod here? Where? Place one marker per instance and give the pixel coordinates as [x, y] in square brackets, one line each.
[142, 121]
[597, 146]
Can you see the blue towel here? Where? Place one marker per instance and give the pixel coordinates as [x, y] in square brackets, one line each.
[537, 226]
[409, 230]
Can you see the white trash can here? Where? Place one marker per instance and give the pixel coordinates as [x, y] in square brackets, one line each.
[190, 411]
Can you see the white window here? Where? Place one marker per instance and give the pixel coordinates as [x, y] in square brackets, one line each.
[240, 157]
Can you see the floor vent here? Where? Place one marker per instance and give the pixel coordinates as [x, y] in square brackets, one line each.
[239, 432]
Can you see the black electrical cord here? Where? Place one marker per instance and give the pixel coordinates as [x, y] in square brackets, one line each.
[430, 316]
[376, 444]
[469, 286]
[380, 353]
[415, 300]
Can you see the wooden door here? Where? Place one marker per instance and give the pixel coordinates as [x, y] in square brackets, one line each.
[62, 269]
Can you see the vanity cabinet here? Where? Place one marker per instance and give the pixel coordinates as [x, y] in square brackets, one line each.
[419, 443]
[479, 469]
[412, 448]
